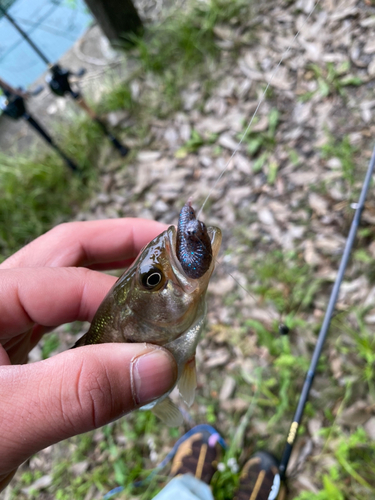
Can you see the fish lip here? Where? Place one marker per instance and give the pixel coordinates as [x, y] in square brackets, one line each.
[189, 285]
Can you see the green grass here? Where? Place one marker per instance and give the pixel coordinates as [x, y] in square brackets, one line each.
[346, 153]
[110, 464]
[49, 344]
[350, 473]
[195, 142]
[261, 144]
[286, 280]
[37, 189]
[332, 79]
[187, 37]
[184, 46]
[288, 284]
[118, 97]
[182, 49]
[34, 193]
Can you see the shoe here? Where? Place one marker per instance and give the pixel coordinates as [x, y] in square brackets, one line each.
[198, 453]
[260, 479]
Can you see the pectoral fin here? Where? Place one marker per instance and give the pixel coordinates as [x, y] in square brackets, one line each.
[168, 412]
[188, 382]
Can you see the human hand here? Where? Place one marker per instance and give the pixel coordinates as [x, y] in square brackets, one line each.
[80, 389]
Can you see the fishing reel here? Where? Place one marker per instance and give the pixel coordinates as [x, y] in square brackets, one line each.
[13, 105]
[59, 80]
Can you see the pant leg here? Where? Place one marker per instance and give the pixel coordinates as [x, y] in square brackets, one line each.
[185, 487]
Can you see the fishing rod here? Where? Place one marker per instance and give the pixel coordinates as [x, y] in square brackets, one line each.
[59, 83]
[267, 461]
[14, 106]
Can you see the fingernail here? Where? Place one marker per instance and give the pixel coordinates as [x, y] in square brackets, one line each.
[152, 375]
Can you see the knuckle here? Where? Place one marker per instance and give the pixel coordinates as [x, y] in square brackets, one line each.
[66, 230]
[61, 229]
[94, 393]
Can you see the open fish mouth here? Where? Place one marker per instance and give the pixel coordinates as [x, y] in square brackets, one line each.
[189, 284]
[193, 246]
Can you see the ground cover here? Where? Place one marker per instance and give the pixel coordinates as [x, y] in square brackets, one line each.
[284, 205]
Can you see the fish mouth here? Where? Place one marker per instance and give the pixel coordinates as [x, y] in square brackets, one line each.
[189, 285]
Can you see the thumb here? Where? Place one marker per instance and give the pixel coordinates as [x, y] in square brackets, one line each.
[74, 392]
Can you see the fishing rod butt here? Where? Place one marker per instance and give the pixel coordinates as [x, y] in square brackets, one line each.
[73, 167]
[284, 461]
[43, 133]
[123, 150]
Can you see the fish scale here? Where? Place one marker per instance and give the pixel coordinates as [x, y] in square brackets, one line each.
[156, 301]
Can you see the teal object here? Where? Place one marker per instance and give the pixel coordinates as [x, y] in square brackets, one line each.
[53, 25]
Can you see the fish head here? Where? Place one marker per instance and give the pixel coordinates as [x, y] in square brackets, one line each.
[154, 301]
[161, 293]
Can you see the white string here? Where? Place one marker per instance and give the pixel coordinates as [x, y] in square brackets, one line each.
[257, 108]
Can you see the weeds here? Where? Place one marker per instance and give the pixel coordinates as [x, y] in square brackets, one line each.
[34, 194]
[225, 481]
[38, 190]
[261, 144]
[185, 44]
[185, 39]
[194, 143]
[121, 454]
[286, 281]
[350, 474]
[344, 151]
[356, 337]
[333, 79]
[117, 97]
[50, 344]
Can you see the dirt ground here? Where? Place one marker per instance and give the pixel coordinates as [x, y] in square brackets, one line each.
[284, 204]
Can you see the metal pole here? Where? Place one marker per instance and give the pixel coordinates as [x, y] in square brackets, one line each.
[25, 36]
[327, 320]
[15, 108]
[59, 84]
[50, 141]
[123, 150]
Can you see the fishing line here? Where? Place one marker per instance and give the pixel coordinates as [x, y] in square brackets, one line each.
[282, 328]
[48, 29]
[22, 39]
[258, 106]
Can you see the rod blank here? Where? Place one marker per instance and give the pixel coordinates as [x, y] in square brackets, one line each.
[327, 320]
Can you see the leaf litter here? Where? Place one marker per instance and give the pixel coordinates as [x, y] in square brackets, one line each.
[284, 205]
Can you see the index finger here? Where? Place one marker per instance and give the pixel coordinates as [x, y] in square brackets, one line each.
[101, 244]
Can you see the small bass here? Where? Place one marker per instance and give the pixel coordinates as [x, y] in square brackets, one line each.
[160, 299]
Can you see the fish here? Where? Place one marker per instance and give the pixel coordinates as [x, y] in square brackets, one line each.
[160, 300]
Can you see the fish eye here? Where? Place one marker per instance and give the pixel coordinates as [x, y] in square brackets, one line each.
[152, 278]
